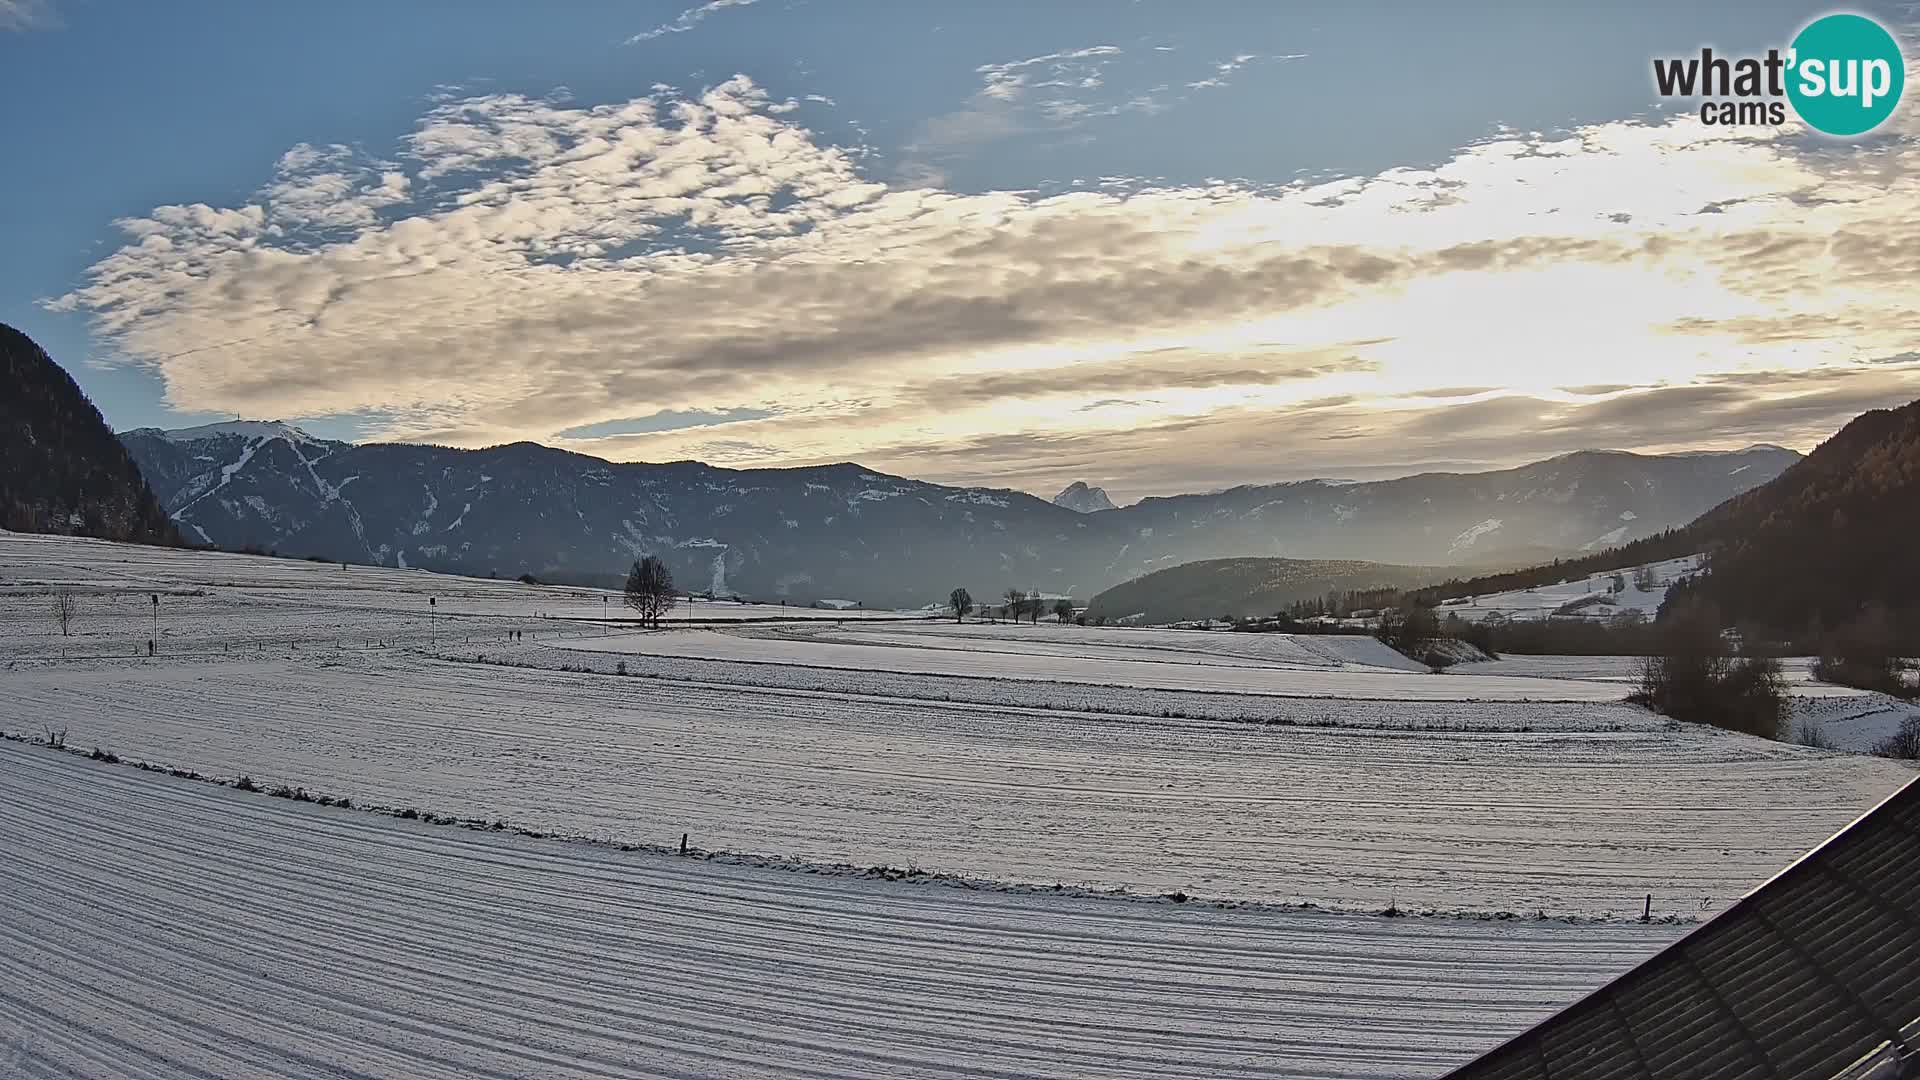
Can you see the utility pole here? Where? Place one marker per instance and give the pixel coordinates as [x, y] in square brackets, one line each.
[433, 638]
[154, 641]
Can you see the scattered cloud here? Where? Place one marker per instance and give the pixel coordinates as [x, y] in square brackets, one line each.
[700, 276]
[688, 19]
[331, 187]
[1076, 70]
[1223, 71]
[1055, 93]
[21, 15]
[1015, 97]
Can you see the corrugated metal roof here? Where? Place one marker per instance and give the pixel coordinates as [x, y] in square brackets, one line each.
[1814, 974]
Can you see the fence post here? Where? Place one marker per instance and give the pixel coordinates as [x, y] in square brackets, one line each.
[1647, 915]
[683, 843]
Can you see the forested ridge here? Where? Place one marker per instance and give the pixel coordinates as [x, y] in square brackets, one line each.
[61, 468]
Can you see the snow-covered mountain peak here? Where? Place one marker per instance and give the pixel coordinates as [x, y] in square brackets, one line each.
[1080, 498]
[245, 429]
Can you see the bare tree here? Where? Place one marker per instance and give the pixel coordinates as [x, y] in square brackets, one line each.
[1645, 579]
[961, 602]
[1063, 610]
[64, 607]
[1035, 605]
[1903, 744]
[1016, 604]
[650, 589]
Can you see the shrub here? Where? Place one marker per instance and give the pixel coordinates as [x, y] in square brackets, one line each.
[1903, 744]
[620, 668]
[1863, 653]
[107, 756]
[245, 783]
[1746, 695]
[1693, 680]
[1808, 733]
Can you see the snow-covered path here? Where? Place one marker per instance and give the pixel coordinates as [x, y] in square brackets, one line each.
[168, 929]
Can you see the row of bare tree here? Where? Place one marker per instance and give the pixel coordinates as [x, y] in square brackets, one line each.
[1019, 604]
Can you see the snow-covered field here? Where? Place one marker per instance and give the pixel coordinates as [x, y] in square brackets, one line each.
[1095, 660]
[163, 928]
[1574, 822]
[1171, 646]
[1847, 718]
[1856, 721]
[1252, 773]
[1586, 596]
[1285, 708]
[220, 603]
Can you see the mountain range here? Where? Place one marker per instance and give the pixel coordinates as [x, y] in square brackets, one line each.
[1826, 543]
[846, 532]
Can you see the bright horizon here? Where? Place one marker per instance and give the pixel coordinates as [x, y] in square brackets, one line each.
[977, 246]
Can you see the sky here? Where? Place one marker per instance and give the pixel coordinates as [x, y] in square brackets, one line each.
[1160, 247]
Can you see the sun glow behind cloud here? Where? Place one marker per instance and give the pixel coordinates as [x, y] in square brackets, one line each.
[522, 268]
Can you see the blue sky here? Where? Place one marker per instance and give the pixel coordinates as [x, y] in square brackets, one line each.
[894, 129]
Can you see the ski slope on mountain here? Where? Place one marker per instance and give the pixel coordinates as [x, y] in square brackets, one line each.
[169, 929]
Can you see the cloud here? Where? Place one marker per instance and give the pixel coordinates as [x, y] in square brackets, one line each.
[22, 15]
[1077, 69]
[688, 19]
[523, 268]
[664, 420]
[1015, 97]
[1054, 93]
[331, 187]
[1223, 71]
[1338, 437]
[1167, 369]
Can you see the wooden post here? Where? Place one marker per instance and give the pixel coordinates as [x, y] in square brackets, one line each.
[683, 843]
[1647, 916]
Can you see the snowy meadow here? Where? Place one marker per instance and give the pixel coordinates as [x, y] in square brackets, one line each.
[911, 847]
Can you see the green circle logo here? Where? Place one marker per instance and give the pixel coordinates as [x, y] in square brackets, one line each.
[1847, 74]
